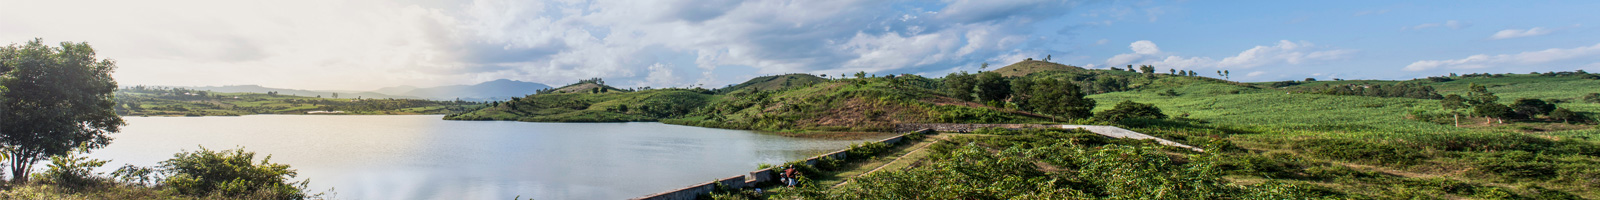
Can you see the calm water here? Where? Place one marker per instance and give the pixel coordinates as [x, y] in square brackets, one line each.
[423, 157]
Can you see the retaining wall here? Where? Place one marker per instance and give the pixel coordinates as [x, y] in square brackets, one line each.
[961, 128]
[756, 177]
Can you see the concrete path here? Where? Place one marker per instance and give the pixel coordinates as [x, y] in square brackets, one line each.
[1117, 132]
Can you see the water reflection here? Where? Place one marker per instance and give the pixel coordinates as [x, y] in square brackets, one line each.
[422, 157]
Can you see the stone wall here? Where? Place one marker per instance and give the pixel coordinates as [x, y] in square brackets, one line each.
[692, 192]
[961, 128]
[756, 177]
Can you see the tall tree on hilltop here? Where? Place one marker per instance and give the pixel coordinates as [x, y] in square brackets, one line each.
[53, 100]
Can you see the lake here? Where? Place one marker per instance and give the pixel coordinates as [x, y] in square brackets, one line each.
[424, 157]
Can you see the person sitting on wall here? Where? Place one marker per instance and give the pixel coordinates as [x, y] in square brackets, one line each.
[789, 176]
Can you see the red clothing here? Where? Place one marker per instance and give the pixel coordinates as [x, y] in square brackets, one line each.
[789, 173]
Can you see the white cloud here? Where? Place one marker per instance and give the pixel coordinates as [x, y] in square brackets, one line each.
[1524, 58]
[1515, 33]
[1101, 41]
[1255, 74]
[1145, 47]
[1284, 52]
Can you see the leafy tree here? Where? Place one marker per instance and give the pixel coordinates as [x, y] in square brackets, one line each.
[861, 74]
[992, 87]
[1148, 69]
[985, 66]
[1020, 88]
[1059, 98]
[1494, 111]
[1310, 79]
[959, 85]
[53, 100]
[1478, 94]
[1454, 103]
[1172, 71]
[1130, 110]
[1566, 116]
[1530, 107]
[1226, 73]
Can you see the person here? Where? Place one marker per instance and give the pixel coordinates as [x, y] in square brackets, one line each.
[789, 176]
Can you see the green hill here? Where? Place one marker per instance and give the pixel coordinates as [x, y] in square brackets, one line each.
[1344, 139]
[777, 82]
[1027, 67]
[864, 104]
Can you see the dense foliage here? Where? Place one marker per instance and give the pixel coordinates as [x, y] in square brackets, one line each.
[53, 100]
[200, 174]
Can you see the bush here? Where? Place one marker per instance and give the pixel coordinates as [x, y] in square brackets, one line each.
[230, 173]
[72, 172]
[1130, 110]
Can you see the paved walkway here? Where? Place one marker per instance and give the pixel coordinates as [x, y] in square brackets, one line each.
[1117, 132]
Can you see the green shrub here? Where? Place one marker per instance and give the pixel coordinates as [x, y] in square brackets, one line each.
[230, 173]
[71, 171]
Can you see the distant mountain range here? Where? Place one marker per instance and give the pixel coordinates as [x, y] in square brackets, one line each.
[487, 91]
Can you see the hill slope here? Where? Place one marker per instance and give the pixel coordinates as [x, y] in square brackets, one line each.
[776, 82]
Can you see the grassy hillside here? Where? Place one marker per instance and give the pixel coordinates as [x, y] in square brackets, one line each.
[1025, 68]
[773, 83]
[609, 106]
[152, 101]
[862, 104]
[1297, 137]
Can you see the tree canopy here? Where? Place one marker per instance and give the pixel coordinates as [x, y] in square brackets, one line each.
[53, 100]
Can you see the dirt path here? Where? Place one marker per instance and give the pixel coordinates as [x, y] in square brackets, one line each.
[1116, 132]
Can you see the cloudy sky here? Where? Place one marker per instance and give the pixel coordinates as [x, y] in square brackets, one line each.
[368, 44]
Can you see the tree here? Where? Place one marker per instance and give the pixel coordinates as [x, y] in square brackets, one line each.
[1528, 108]
[1478, 94]
[1565, 116]
[1226, 73]
[1148, 69]
[1493, 111]
[1454, 103]
[1059, 98]
[1172, 71]
[1128, 109]
[960, 85]
[335, 95]
[1020, 88]
[861, 74]
[53, 100]
[1047, 58]
[992, 87]
[985, 66]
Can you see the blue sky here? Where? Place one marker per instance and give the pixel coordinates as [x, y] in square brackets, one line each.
[368, 44]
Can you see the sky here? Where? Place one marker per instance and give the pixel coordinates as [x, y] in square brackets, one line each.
[370, 44]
